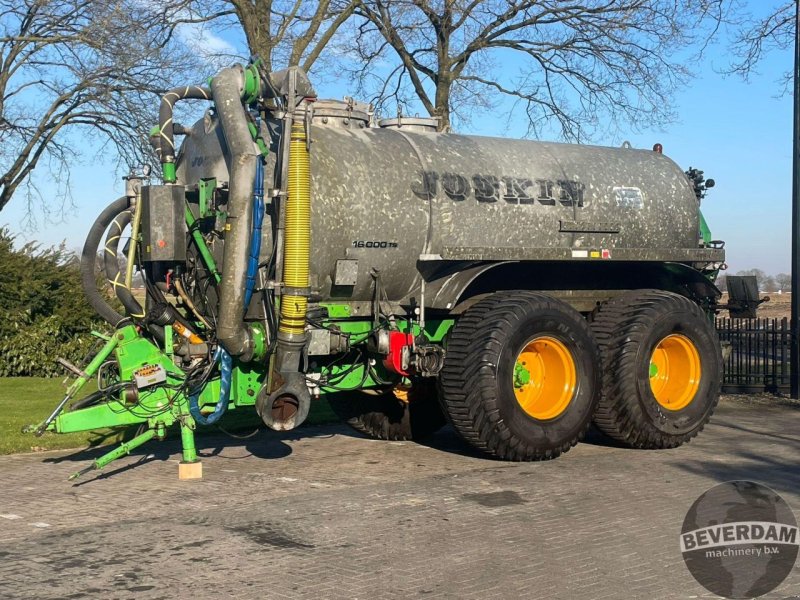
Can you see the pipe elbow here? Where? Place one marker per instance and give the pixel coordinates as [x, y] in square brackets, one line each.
[237, 340]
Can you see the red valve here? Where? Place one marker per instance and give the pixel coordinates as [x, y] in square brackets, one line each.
[399, 352]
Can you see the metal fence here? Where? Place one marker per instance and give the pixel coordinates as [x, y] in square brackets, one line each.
[757, 358]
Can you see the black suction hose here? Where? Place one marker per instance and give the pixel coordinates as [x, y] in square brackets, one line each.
[113, 239]
[132, 306]
[89, 257]
[165, 123]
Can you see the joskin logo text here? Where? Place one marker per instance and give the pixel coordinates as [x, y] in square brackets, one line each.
[490, 188]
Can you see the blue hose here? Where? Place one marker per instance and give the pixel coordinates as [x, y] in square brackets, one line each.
[255, 239]
[225, 370]
[221, 356]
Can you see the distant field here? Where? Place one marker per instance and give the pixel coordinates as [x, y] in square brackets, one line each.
[779, 306]
[27, 400]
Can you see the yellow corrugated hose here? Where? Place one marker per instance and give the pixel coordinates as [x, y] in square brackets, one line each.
[297, 241]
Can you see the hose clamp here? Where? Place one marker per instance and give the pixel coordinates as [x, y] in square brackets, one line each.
[296, 291]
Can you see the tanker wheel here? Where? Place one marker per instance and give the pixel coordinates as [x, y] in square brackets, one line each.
[662, 369]
[398, 414]
[520, 378]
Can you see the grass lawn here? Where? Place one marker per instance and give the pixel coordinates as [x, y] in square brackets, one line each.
[27, 400]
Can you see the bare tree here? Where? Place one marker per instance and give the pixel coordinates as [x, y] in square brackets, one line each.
[755, 38]
[92, 68]
[766, 283]
[72, 68]
[784, 282]
[583, 64]
[280, 32]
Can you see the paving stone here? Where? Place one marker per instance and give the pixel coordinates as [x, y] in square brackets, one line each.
[324, 513]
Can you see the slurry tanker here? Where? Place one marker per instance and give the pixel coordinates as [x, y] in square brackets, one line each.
[297, 249]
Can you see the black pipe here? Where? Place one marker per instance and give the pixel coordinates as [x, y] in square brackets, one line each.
[232, 332]
[89, 258]
[165, 112]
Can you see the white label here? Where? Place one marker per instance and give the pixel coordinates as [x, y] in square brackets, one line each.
[629, 197]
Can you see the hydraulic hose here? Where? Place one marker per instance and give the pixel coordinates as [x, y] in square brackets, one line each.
[190, 304]
[255, 238]
[89, 258]
[113, 239]
[159, 315]
[225, 360]
[232, 332]
[100, 395]
[225, 370]
[137, 220]
[165, 124]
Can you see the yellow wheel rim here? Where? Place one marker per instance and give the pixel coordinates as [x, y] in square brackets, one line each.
[544, 378]
[675, 371]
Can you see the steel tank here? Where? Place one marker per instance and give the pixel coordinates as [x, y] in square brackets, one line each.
[386, 198]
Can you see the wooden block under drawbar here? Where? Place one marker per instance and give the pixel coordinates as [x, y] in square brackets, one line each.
[193, 470]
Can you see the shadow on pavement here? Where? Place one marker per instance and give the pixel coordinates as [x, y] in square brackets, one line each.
[780, 473]
[271, 445]
[447, 440]
[264, 444]
[791, 440]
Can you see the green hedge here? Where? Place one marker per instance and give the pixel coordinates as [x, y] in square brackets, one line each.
[43, 311]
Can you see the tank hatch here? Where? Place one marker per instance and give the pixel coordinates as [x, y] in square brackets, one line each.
[417, 124]
[347, 113]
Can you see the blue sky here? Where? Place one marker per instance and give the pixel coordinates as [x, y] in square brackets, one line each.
[738, 132]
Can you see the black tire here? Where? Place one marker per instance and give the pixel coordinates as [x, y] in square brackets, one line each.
[476, 385]
[383, 416]
[628, 329]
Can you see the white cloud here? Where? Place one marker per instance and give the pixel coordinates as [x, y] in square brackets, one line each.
[200, 39]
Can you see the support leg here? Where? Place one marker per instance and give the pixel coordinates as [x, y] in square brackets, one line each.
[190, 467]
